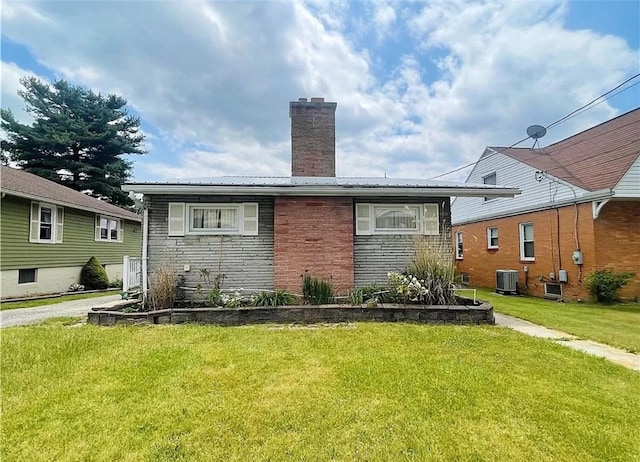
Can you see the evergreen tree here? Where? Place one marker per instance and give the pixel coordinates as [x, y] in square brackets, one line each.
[78, 138]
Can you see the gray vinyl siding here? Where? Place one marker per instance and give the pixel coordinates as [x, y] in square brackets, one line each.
[510, 172]
[376, 255]
[629, 185]
[246, 261]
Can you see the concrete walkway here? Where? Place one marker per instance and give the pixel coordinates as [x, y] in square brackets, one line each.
[23, 316]
[615, 355]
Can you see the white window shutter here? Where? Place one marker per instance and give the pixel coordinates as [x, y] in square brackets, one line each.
[431, 220]
[363, 219]
[176, 219]
[97, 228]
[59, 224]
[250, 219]
[120, 230]
[34, 228]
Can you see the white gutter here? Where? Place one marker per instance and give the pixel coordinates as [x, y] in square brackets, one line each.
[603, 194]
[145, 256]
[315, 190]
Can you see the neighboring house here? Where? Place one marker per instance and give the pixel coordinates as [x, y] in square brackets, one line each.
[265, 233]
[49, 231]
[579, 211]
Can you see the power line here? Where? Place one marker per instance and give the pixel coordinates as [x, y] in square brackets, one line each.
[581, 109]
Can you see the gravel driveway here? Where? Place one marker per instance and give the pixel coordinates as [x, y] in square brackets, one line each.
[23, 316]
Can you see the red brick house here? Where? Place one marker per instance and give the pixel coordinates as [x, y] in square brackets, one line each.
[266, 232]
[579, 211]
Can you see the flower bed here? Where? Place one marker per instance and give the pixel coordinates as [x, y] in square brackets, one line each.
[304, 314]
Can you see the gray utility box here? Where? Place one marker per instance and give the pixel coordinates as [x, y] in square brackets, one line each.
[507, 281]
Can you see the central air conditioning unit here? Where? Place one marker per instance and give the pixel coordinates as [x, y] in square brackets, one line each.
[506, 281]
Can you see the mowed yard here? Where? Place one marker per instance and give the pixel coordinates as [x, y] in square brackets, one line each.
[375, 392]
[617, 325]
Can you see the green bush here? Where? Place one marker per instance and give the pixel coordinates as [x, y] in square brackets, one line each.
[316, 291]
[603, 285]
[116, 283]
[93, 275]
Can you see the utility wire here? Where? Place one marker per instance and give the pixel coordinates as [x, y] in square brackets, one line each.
[581, 109]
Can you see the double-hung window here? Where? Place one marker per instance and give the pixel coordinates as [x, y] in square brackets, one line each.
[46, 223]
[397, 219]
[490, 180]
[492, 238]
[109, 229]
[526, 242]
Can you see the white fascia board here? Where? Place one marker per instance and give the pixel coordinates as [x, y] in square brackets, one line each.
[310, 190]
[594, 196]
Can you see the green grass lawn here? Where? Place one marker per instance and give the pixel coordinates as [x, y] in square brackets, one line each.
[374, 392]
[617, 325]
[52, 301]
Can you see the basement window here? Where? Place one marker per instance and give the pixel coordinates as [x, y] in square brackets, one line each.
[26, 276]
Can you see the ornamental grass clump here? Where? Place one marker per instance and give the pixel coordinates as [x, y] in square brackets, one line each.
[433, 271]
[163, 287]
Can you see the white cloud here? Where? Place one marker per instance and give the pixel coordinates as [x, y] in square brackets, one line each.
[11, 75]
[215, 78]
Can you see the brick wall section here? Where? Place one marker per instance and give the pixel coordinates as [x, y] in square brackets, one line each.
[313, 138]
[481, 263]
[313, 234]
[617, 233]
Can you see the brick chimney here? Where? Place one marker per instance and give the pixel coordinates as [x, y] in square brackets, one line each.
[313, 137]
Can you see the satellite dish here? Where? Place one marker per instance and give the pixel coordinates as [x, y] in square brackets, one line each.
[536, 131]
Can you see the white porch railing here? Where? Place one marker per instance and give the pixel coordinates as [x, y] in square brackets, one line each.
[131, 273]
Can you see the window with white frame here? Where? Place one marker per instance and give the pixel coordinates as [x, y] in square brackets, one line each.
[526, 242]
[397, 219]
[226, 218]
[492, 238]
[46, 223]
[459, 246]
[491, 180]
[108, 229]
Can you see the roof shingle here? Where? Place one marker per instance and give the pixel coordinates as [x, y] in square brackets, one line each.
[23, 184]
[594, 159]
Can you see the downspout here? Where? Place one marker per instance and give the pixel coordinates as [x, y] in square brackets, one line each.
[145, 243]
